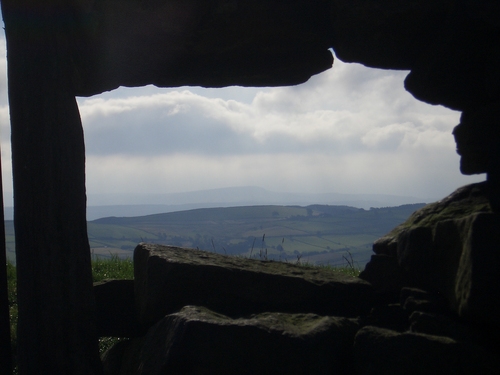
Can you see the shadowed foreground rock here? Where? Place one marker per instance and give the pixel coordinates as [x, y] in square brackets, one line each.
[448, 247]
[212, 314]
[199, 341]
[168, 278]
[382, 351]
[116, 314]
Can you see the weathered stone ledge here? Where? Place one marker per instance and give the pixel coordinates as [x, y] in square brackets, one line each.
[169, 278]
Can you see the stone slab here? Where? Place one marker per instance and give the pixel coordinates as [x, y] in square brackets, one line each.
[169, 278]
[199, 341]
[383, 351]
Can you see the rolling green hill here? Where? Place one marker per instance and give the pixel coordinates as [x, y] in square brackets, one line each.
[316, 234]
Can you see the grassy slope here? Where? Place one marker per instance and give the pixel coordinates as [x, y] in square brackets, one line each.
[319, 234]
[322, 235]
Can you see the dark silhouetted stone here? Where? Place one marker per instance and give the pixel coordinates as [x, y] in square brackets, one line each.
[116, 313]
[385, 274]
[168, 278]
[477, 139]
[199, 341]
[114, 358]
[382, 351]
[419, 300]
[449, 326]
[451, 247]
[385, 34]
[201, 43]
[459, 67]
[391, 316]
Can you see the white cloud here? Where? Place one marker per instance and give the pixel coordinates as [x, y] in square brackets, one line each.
[350, 129]
[336, 112]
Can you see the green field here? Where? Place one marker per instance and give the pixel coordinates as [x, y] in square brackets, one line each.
[317, 234]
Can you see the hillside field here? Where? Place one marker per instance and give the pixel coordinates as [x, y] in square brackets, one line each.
[317, 234]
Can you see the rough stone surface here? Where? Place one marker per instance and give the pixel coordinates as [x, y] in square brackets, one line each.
[116, 314]
[382, 351]
[477, 139]
[168, 278]
[463, 202]
[385, 274]
[418, 300]
[448, 326]
[459, 68]
[390, 316]
[477, 295]
[451, 46]
[451, 247]
[446, 43]
[406, 255]
[199, 341]
[385, 34]
[201, 43]
[114, 360]
[56, 333]
[461, 262]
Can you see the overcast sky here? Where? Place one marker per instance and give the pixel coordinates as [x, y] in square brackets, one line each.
[348, 130]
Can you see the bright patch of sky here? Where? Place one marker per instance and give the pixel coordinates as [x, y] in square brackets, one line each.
[348, 130]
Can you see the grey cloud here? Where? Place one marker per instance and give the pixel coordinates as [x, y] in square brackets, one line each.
[148, 135]
[193, 133]
[372, 113]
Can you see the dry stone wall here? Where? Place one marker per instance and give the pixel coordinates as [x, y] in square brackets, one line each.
[203, 313]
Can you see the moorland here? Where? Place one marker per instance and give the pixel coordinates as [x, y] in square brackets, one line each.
[315, 234]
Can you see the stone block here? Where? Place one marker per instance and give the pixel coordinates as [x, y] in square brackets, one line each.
[384, 273]
[169, 278]
[450, 248]
[477, 290]
[382, 351]
[199, 341]
[116, 313]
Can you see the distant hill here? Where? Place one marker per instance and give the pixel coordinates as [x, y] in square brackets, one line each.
[103, 205]
[119, 205]
[318, 234]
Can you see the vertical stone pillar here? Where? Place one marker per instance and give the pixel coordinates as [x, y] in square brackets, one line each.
[56, 333]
